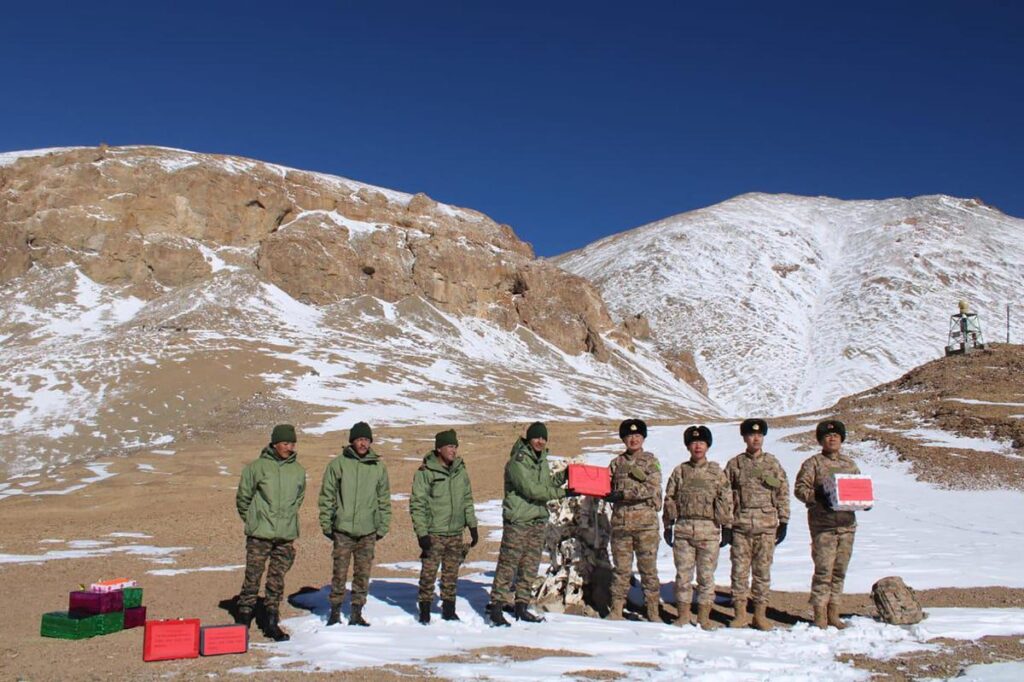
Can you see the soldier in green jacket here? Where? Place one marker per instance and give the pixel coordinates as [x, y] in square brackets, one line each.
[355, 512]
[269, 495]
[529, 486]
[442, 506]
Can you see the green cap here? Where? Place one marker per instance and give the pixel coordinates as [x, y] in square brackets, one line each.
[360, 430]
[283, 433]
[537, 430]
[445, 438]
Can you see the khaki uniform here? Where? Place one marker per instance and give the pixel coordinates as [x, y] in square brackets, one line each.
[832, 532]
[760, 494]
[698, 503]
[635, 523]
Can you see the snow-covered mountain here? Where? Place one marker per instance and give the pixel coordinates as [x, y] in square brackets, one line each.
[148, 295]
[788, 303]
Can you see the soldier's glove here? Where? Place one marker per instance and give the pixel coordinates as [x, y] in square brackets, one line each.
[474, 536]
[424, 541]
[726, 537]
[571, 493]
[328, 534]
[780, 533]
[379, 537]
[668, 536]
[821, 497]
[615, 496]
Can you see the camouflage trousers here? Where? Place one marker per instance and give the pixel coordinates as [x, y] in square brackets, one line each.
[752, 553]
[358, 551]
[831, 551]
[518, 560]
[643, 543]
[447, 553]
[696, 547]
[280, 555]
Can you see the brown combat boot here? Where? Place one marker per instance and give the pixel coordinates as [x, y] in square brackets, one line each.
[820, 619]
[615, 613]
[742, 618]
[833, 616]
[704, 617]
[761, 621]
[651, 601]
[683, 616]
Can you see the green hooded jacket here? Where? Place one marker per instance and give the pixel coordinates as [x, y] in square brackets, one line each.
[355, 496]
[270, 492]
[529, 485]
[442, 498]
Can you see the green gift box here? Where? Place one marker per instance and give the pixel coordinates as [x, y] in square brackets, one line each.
[109, 622]
[132, 597]
[63, 625]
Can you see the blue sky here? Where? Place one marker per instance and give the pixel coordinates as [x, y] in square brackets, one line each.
[569, 121]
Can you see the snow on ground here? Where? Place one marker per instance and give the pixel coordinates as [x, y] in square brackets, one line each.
[86, 549]
[937, 438]
[204, 569]
[1011, 671]
[931, 537]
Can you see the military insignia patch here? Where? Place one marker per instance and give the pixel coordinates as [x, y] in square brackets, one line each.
[632, 427]
[756, 427]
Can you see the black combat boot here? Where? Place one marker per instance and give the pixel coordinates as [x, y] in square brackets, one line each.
[243, 616]
[335, 616]
[497, 619]
[274, 630]
[448, 610]
[524, 615]
[356, 618]
[425, 612]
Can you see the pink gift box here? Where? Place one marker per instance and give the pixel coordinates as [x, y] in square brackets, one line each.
[92, 603]
[134, 617]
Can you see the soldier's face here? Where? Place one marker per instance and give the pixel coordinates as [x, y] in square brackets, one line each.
[634, 442]
[831, 443]
[754, 441]
[361, 446]
[284, 450]
[538, 444]
[447, 453]
[698, 449]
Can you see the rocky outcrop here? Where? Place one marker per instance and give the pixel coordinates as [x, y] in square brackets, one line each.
[150, 218]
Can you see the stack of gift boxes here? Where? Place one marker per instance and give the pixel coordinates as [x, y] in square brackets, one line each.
[106, 607]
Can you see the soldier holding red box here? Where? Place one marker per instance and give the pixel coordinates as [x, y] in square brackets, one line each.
[832, 531]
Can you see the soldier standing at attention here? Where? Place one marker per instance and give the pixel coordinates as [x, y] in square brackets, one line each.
[529, 486]
[636, 501]
[698, 513]
[442, 506]
[760, 493]
[269, 495]
[355, 512]
[831, 531]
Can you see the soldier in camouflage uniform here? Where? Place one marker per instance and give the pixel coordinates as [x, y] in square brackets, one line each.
[355, 513]
[529, 486]
[270, 492]
[760, 517]
[698, 512]
[441, 507]
[831, 531]
[636, 501]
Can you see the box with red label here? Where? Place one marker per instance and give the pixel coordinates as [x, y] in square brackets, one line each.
[92, 603]
[849, 492]
[169, 639]
[587, 479]
[111, 585]
[215, 640]
[134, 617]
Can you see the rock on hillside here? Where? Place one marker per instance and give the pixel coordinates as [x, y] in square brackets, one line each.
[788, 303]
[958, 420]
[149, 217]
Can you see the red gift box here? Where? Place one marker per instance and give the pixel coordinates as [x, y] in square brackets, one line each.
[587, 479]
[168, 639]
[82, 602]
[215, 640]
[850, 492]
[134, 617]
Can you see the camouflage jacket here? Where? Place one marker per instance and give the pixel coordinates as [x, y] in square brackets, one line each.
[813, 473]
[760, 491]
[698, 491]
[639, 478]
